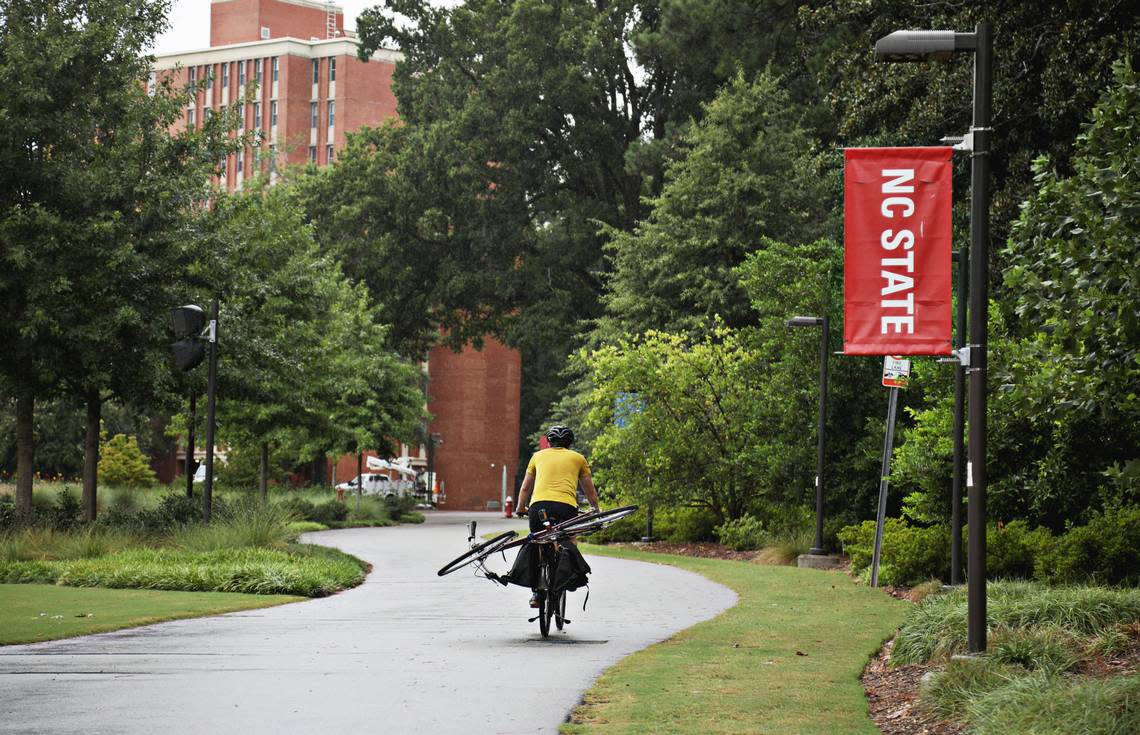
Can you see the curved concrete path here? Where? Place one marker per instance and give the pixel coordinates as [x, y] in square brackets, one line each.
[406, 652]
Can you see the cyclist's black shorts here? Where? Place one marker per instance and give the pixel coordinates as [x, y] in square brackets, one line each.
[549, 510]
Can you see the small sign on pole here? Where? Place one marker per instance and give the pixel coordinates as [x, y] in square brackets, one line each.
[896, 372]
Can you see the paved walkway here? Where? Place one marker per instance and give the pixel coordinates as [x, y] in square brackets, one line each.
[406, 652]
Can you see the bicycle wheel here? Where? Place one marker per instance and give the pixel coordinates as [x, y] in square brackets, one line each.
[560, 610]
[478, 551]
[545, 596]
[590, 522]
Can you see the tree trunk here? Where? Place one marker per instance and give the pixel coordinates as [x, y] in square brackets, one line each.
[91, 456]
[263, 474]
[25, 449]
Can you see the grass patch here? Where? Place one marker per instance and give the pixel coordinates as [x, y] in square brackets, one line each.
[299, 527]
[1046, 705]
[786, 659]
[30, 613]
[937, 628]
[250, 570]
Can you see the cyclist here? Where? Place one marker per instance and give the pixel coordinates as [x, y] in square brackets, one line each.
[552, 477]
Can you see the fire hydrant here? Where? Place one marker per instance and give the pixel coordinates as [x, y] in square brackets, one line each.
[509, 507]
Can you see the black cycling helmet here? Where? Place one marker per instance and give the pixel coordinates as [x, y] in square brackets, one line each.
[560, 436]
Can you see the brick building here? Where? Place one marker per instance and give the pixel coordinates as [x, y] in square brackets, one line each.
[291, 70]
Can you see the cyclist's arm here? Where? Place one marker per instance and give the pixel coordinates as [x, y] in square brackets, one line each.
[590, 490]
[525, 492]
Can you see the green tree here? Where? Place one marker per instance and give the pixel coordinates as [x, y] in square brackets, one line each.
[122, 463]
[749, 172]
[1063, 418]
[1050, 62]
[94, 192]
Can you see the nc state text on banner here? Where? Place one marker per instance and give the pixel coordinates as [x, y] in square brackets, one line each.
[897, 261]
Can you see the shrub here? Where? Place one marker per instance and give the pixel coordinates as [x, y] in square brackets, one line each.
[255, 571]
[1102, 552]
[1050, 650]
[122, 463]
[937, 627]
[172, 511]
[1045, 705]
[67, 512]
[328, 512]
[743, 534]
[398, 505]
[1013, 550]
[246, 523]
[947, 692]
[910, 555]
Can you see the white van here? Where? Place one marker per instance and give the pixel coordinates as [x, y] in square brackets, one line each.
[370, 484]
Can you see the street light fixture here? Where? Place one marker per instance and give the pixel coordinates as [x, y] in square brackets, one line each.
[940, 45]
[821, 433]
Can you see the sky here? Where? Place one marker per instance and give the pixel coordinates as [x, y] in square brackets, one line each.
[190, 24]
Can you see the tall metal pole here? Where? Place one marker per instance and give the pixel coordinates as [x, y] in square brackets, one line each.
[979, 300]
[211, 401]
[821, 438]
[190, 445]
[959, 423]
[884, 483]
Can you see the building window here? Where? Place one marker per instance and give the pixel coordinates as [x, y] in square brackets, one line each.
[273, 114]
[151, 84]
[222, 168]
[241, 116]
[313, 115]
[240, 162]
[257, 116]
[313, 153]
[190, 118]
[241, 73]
[332, 69]
[276, 68]
[193, 75]
[316, 70]
[329, 154]
[264, 33]
[225, 75]
[332, 113]
[257, 66]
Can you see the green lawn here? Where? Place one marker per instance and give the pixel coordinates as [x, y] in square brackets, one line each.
[40, 612]
[786, 659]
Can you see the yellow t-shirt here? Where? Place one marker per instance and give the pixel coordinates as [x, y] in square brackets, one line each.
[556, 472]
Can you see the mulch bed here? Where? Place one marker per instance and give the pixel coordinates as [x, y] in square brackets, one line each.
[892, 696]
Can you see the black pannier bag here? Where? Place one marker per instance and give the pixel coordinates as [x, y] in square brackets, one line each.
[524, 572]
[570, 570]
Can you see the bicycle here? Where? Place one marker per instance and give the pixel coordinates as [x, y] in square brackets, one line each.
[551, 601]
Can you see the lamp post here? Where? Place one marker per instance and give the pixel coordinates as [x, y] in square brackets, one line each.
[940, 45]
[821, 433]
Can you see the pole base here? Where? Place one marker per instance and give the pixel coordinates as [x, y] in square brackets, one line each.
[815, 551]
[819, 561]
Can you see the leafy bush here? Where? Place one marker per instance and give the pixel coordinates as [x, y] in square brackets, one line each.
[743, 534]
[66, 512]
[172, 511]
[937, 627]
[1103, 552]
[398, 505]
[327, 512]
[122, 463]
[1012, 550]
[910, 555]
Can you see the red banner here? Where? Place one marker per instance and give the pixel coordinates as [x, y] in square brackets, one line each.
[897, 263]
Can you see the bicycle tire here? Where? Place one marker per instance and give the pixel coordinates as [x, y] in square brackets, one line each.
[560, 610]
[590, 522]
[545, 609]
[479, 551]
